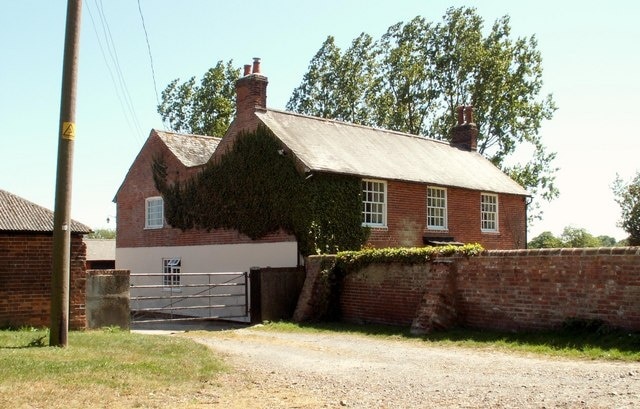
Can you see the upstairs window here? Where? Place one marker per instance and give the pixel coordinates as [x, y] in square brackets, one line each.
[436, 208]
[154, 213]
[488, 212]
[374, 203]
[171, 272]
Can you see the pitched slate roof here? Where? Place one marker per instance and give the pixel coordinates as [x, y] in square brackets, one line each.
[191, 150]
[18, 214]
[324, 145]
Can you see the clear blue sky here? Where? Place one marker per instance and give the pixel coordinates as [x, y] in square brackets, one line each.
[590, 53]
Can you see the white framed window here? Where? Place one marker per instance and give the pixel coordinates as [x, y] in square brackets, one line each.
[488, 212]
[374, 203]
[436, 208]
[153, 213]
[171, 271]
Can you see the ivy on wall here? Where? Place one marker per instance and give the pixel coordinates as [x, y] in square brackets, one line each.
[257, 190]
[348, 261]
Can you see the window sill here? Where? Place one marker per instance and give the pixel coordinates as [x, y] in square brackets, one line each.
[153, 227]
[375, 227]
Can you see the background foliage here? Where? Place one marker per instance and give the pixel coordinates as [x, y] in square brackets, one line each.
[413, 78]
[205, 109]
[628, 198]
[573, 237]
[257, 190]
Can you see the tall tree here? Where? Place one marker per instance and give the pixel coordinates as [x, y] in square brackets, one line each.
[204, 109]
[336, 84]
[628, 198]
[419, 72]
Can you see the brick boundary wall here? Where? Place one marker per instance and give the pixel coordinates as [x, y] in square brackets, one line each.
[25, 280]
[539, 289]
[500, 289]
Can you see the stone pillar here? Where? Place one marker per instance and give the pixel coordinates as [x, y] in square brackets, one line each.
[108, 298]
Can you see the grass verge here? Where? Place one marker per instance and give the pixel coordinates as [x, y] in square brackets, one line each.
[108, 368]
[578, 341]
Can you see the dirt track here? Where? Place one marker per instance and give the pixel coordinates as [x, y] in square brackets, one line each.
[296, 370]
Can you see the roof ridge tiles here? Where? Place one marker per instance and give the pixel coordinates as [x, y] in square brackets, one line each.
[345, 123]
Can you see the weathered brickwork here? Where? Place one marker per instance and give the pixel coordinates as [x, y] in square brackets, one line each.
[537, 289]
[407, 219]
[25, 280]
[501, 289]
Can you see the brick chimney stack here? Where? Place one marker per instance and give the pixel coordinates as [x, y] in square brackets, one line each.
[465, 134]
[251, 91]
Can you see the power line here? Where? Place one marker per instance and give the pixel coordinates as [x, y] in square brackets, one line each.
[113, 67]
[114, 57]
[146, 36]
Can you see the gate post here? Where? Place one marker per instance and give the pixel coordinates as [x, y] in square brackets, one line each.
[255, 287]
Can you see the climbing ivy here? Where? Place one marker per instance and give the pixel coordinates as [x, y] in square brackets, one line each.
[257, 190]
[352, 260]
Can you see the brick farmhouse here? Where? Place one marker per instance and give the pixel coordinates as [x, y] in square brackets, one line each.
[416, 190]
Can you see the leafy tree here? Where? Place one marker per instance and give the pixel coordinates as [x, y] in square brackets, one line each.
[572, 237]
[545, 240]
[336, 84]
[578, 237]
[205, 109]
[102, 234]
[607, 241]
[628, 198]
[413, 78]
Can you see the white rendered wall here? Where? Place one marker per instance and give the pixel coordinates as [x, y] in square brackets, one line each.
[200, 259]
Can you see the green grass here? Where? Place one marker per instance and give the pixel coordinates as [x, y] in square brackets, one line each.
[110, 368]
[574, 341]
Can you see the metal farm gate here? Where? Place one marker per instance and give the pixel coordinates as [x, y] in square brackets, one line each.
[189, 296]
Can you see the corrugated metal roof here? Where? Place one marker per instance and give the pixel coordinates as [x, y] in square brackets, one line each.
[18, 214]
[191, 150]
[333, 146]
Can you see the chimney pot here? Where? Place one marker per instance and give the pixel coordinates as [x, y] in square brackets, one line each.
[247, 69]
[468, 114]
[460, 110]
[256, 65]
[465, 134]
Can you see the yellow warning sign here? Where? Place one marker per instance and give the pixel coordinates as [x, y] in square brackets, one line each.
[69, 130]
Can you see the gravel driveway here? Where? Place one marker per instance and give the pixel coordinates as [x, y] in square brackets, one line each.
[295, 370]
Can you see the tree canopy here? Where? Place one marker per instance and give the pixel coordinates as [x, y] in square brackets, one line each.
[205, 109]
[102, 234]
[413, 78]
[628, 198]
[571, 236]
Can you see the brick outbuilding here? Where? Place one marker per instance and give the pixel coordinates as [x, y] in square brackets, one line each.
[26, 257]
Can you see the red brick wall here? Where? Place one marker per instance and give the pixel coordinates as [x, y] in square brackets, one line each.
[139, 185]
[25, 280]
[372, 295]
[507, 290]
[407, 218]
[536, 289]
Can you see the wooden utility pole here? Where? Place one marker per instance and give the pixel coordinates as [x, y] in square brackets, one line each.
[62, 212]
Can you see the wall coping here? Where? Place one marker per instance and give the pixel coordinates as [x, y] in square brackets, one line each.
[108, 272]
[587, 251]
